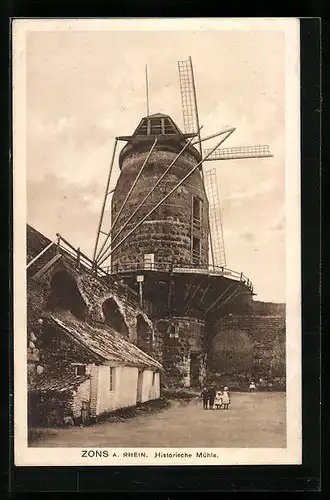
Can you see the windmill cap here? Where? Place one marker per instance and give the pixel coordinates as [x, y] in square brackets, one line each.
[157, 124]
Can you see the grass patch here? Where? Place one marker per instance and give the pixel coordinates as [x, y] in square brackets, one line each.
[123, 414]
[182, 393]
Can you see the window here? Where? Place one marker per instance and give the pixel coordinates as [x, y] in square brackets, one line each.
[169, 129]
[80, 369]
[174, 332]
[196, 210]
[196, 250]
[149, 259]
[142, 130]
[112, 379]
[156, 126]
[153, 378]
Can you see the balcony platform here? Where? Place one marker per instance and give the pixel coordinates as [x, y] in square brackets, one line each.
[186, 290]
[159, 267]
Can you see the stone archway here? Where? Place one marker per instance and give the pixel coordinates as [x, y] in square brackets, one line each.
[65, 294]
[143, 334]
[114, 318]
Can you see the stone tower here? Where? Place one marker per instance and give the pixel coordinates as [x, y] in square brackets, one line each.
[168, 252]
[177, 232]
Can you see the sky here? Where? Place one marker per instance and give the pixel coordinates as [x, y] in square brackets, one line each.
[84, 88]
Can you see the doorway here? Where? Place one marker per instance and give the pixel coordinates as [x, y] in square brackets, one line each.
[85, 409]
[194, 370]
[139, 387]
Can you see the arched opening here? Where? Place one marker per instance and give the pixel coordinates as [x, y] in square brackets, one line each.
[114, 318]
[65, 295]
[143, 334]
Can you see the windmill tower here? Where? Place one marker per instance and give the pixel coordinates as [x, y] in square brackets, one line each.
[159, 235]
[191, 126]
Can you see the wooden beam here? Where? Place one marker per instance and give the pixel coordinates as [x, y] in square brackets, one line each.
[217, 300]
[78, 258]
[109, 252]
[187, 291]
[104, 200]
[124, 138]
[228, 299]
[204, 293]
[102, 251]
[194, 292]
[151, 191]
[235, 294]
[47, 266]
[41, 253]
[169, 294]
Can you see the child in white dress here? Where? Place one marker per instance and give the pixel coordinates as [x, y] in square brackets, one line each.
[218, 400]
[225, 398]
[252, 386]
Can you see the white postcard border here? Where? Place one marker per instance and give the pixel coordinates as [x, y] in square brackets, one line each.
[25, 456]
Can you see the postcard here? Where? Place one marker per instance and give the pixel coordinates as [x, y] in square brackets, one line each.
[157, 281]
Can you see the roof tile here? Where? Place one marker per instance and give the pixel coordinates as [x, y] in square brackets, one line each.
[50, 382]
[102, 340]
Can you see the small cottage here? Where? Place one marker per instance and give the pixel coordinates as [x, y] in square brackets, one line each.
[89, 369]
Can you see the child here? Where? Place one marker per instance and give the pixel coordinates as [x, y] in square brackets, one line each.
[252, 386]
[218, 400]
[212, 393]
[205, 397]
[225, 398]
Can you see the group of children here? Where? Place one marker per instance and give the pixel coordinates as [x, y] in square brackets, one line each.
[215, 399]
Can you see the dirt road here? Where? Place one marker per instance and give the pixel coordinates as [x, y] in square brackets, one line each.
[253, 420]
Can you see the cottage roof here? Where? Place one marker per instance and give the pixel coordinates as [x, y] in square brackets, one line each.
[51, 382]
[102, 340]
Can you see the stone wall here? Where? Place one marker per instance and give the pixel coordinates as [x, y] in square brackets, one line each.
[59, 353]
[184, 354]
[167, 233]
[181, 343]
[250, 343]
[81, 396]
[93, 291]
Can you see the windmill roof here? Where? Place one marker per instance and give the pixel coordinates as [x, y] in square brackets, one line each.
[157, 115]
[150, 125]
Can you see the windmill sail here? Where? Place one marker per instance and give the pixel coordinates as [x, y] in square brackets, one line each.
[188, 97]
[240, 152]
[215, 217]
[190, 112]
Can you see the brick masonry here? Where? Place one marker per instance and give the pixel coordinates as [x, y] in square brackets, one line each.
[93, 291]
[183, 337]
[172, 331]
[263, 331]
[167, 232]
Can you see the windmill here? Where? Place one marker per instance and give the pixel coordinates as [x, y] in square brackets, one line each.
[191, 126]
[192, 129]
